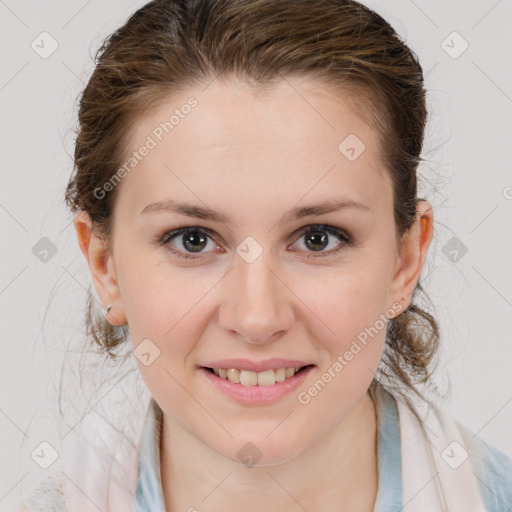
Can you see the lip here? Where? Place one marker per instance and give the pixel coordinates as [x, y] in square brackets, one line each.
[256, 395]
[256, 366]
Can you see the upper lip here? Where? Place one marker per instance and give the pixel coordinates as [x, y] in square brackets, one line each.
[256, 366]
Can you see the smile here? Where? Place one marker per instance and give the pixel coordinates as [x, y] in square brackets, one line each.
[256, 388]
[250, 378]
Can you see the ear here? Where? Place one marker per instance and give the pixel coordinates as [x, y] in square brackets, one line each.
[415, 244]
[102, 268]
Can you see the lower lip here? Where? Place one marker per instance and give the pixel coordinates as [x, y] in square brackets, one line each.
[257, 395]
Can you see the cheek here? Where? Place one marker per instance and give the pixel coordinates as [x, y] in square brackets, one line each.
[159, 299]
[351, 313]
[348, 303]
[165, 308]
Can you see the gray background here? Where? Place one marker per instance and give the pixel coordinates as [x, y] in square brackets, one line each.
[467, 178]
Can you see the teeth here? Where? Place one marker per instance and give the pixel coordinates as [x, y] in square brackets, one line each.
[234, 375]
[280, 374]
[248, 378]
[290, 372]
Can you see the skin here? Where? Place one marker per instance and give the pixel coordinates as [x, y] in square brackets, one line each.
[253, 158]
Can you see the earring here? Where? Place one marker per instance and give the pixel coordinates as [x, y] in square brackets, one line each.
[107, 309]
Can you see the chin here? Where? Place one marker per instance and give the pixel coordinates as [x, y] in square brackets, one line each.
[262, 452]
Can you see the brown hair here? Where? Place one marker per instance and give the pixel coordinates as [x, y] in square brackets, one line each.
[170, 45]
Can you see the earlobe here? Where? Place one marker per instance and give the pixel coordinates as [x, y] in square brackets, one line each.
[415, 245]
[102, 268]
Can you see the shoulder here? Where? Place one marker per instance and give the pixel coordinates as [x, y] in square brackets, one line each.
[493, 469]
[47, 496]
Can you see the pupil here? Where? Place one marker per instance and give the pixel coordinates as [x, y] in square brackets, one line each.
[189, 239]
[320, 241]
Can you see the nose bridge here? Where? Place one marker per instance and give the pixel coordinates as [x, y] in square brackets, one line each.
[255, 305]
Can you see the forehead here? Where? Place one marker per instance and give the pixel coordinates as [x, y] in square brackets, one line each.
[289, 140]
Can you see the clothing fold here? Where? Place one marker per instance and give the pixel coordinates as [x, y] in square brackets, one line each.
[431, 464]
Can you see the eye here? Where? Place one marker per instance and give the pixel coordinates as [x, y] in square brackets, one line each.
[192, 242]
[318, 237]
[189, 240]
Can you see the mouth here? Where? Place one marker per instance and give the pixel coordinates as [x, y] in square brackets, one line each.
[256, 388]
[251, 378]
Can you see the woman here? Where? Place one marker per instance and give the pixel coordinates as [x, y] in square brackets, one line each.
[246, 200]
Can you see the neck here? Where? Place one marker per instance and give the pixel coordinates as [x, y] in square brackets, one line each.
[342, 466]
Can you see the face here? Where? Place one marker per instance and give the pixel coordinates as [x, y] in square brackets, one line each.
[266, 276]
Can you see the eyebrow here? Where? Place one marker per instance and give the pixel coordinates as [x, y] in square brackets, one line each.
[205, 213]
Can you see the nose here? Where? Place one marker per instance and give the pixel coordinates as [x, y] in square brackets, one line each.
[256, 304]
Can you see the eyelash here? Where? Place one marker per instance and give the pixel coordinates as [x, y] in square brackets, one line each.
[166, 237]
